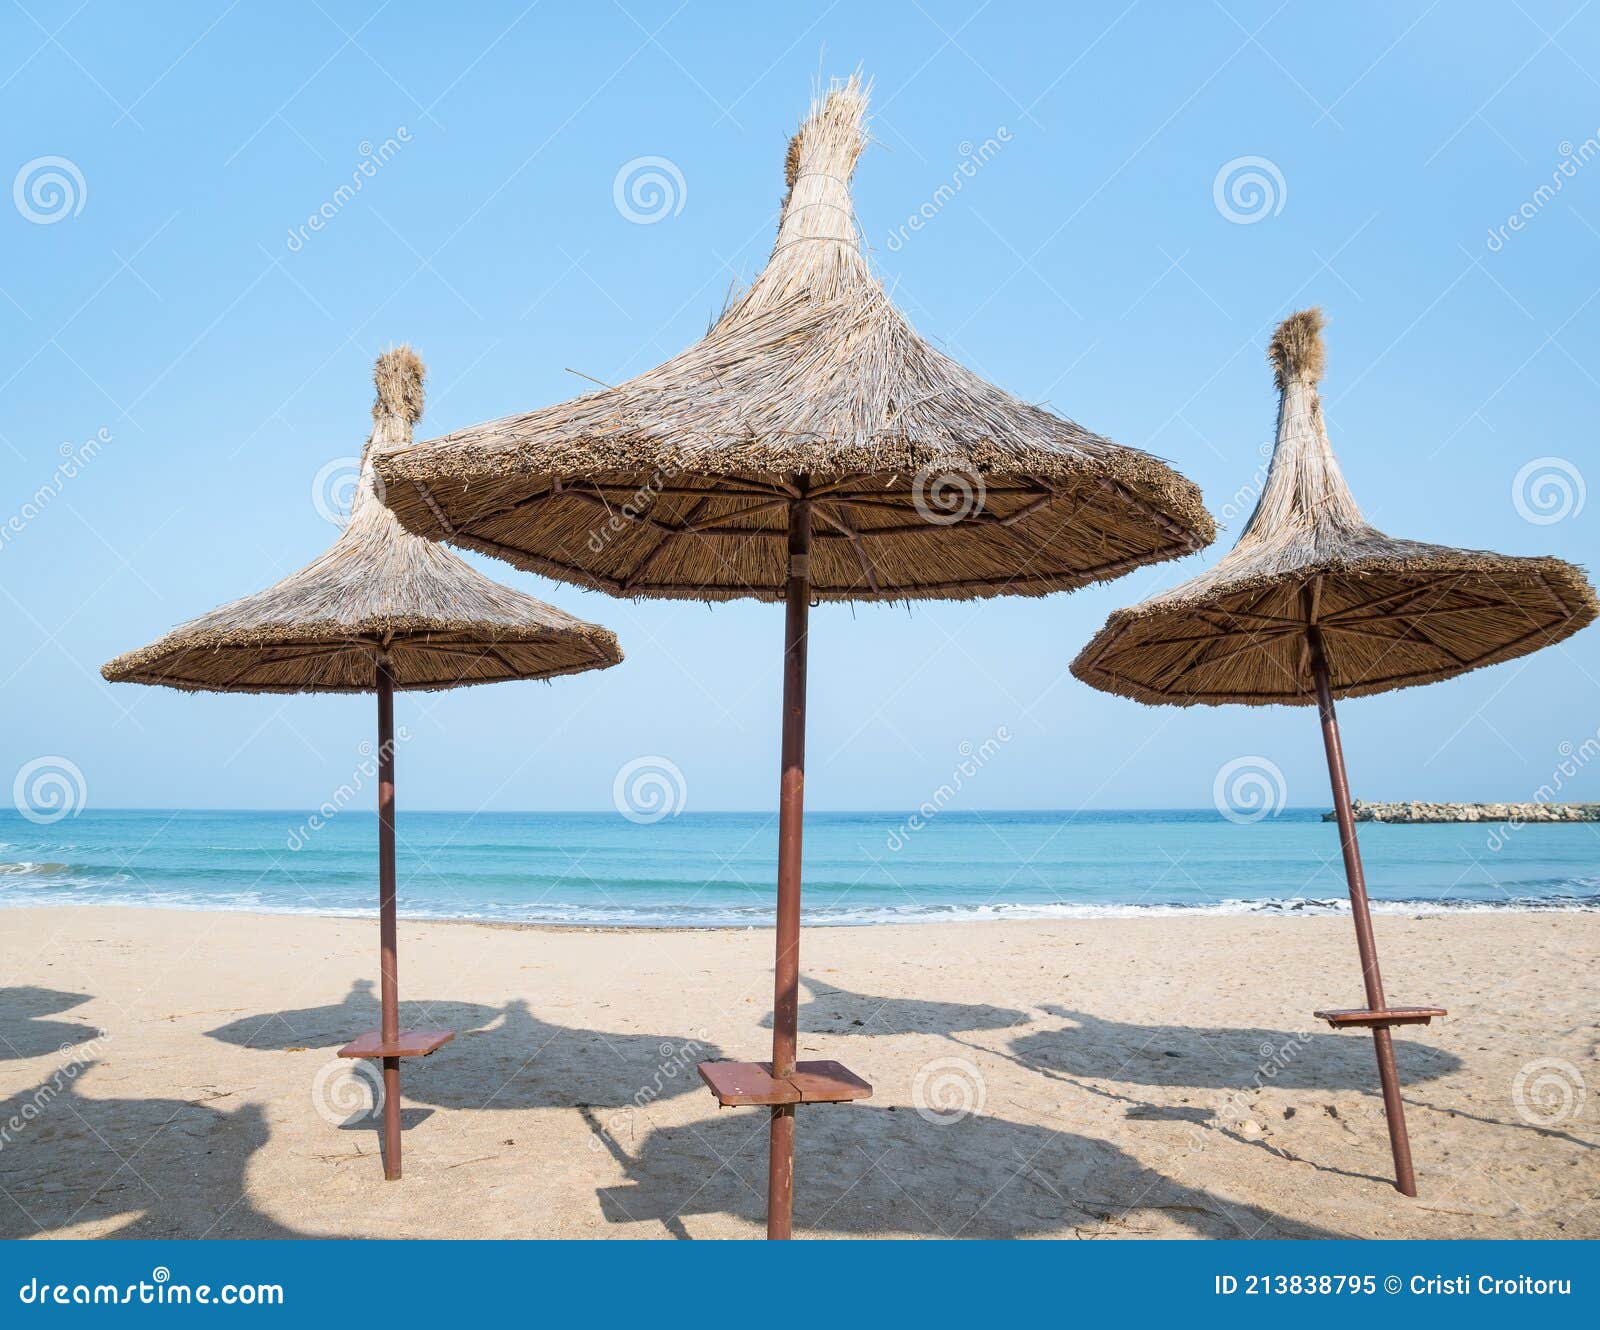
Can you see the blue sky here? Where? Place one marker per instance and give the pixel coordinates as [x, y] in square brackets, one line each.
[1092, 263]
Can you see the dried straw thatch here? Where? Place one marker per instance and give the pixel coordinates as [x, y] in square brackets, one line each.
[1391, 612]
[378, 589]
[927, 480]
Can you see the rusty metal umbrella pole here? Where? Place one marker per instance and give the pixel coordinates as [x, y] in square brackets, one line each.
[791, 818]
[388, 947]
[1383, 1044]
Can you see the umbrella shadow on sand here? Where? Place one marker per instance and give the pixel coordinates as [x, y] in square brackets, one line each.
[1218, 1057]
[165, 1168]
[527, 1062]
[24, 1031]
[519, 1061]
[829, 1009]
[862, 1171]
[337, 1023]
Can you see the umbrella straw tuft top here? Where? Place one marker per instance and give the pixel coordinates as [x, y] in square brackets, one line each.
[1391, 612]
[926, 480]
[379, 589]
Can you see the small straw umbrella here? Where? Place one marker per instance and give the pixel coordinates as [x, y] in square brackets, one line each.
[810, 448]
[382, 609]
[1313, 604]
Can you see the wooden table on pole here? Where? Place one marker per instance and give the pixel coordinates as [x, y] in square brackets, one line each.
[784, 1084]
[1377, 1015]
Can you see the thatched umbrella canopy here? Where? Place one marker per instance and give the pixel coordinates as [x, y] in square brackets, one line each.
[810, 447]
[1314, 603]
[378, 588]
[382, 609]
[925, 480]
[1392, 612]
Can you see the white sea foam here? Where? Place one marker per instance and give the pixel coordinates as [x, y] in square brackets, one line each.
[666, 916]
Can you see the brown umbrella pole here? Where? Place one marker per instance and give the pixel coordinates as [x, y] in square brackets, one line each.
[1393, 1109]
[791, 815]
[389, 972]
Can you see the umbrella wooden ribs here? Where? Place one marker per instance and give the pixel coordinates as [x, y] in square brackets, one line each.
[1313, 602]
[382, 609]
[811, 447]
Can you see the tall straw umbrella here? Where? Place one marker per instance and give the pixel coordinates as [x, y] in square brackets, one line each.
[1312, 604]
[382, 609]
[810, 448]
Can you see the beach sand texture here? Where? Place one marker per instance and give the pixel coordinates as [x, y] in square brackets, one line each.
[1156, 1077]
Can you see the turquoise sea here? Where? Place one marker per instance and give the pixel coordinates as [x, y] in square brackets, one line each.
[717, 869]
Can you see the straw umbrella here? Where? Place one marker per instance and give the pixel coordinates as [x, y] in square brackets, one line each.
[810, 448]
[381, 610]
[1313, 604]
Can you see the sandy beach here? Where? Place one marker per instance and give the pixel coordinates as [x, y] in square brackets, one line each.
[171, 1074]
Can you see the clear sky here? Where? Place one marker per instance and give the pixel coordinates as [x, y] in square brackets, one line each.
[156, 286]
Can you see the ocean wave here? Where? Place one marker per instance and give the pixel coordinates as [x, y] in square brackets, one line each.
[18, 869]
[611, 915]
